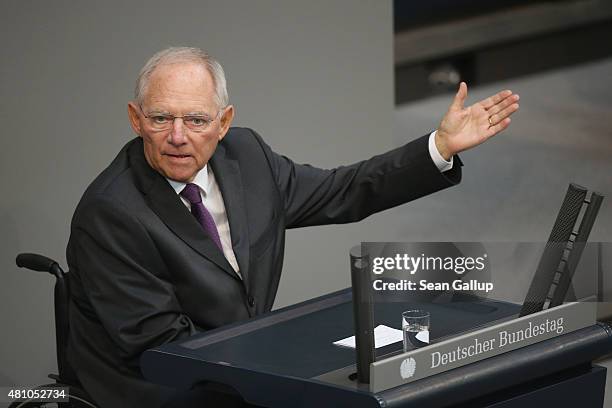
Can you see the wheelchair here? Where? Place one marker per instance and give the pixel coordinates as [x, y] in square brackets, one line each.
[66, 377]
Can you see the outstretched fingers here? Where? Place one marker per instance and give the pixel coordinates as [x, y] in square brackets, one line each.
[495, 129]
[503, 114]
[503, 104]
[460, 97]
[491, 101]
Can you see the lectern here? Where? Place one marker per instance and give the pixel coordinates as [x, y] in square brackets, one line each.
[288, 357]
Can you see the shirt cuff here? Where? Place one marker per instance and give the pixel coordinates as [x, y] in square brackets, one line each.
[437, 158]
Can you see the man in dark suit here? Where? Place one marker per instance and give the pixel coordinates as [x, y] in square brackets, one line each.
[184, 231]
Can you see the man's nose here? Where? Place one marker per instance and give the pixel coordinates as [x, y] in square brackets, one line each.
[177, 133]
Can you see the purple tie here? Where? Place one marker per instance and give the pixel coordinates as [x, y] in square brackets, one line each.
[192, 193]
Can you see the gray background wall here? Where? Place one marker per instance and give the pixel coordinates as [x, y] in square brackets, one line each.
[315, 79]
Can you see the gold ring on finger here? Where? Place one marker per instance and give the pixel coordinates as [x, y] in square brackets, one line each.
[490, 121]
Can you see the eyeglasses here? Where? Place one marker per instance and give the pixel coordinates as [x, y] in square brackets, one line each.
[195, 123]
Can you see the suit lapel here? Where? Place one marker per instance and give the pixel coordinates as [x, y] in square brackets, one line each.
[227, 174]
[164, 201]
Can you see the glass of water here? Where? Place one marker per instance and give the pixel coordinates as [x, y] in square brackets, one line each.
[415, 325]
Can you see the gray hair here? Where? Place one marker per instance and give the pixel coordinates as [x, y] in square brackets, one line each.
[175, 55]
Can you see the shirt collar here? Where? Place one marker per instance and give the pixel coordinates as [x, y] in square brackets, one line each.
[201, 179]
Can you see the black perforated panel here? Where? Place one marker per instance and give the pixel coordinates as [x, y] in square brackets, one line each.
[553, 252]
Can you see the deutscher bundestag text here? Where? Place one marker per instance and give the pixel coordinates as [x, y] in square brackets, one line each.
[502, 339]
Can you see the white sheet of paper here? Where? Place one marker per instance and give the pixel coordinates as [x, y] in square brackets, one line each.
[383, 336]
[423, 336]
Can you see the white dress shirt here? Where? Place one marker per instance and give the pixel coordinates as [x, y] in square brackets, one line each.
[443, 165]
[213, 200]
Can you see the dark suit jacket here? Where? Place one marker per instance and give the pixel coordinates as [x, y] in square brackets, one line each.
[144, 272]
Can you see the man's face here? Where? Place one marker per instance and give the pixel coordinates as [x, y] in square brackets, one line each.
[178, 152]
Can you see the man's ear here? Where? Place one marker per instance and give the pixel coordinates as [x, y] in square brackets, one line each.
[134, 118]
[226, 121]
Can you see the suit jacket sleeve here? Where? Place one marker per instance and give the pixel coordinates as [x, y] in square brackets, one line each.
[123, 282]
[314, 196]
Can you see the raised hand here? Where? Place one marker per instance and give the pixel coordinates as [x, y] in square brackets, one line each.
[463, 128]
